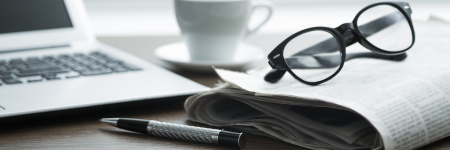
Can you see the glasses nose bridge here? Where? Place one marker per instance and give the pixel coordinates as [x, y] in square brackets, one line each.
[348, 32]
[345, 27]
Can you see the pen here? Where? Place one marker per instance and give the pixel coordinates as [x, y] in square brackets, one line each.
[177, 131]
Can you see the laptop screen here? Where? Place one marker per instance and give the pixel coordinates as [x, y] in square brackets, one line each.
[29, 15]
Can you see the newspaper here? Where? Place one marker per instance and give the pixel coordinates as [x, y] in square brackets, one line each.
[370, 104]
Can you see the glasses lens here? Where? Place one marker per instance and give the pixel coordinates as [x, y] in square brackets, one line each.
[314, 55]
[386, 28]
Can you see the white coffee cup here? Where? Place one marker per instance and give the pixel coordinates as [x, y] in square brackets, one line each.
[212, 29]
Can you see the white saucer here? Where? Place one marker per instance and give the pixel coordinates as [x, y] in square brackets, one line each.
[177, 55]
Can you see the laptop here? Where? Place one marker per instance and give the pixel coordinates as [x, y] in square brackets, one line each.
[50, 61]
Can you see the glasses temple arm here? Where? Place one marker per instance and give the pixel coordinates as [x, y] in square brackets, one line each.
[374, 26]
[379, 24]
[399, 57]
[331, 61]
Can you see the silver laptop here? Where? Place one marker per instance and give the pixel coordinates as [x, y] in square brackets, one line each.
[50, 60]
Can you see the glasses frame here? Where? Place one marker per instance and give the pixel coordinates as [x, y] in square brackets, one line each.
[277, 59]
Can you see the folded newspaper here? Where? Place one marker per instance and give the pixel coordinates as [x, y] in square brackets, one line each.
[370, 104]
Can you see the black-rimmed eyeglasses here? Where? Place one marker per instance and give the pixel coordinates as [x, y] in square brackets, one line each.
[315, 55]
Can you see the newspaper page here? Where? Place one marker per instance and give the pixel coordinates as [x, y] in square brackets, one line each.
[407, 102]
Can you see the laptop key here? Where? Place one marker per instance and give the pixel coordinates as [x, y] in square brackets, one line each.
[73, 76]
[96, 67]
[41, 66]
[79, 68]
[112, 65]
[16, 61]
[48, 58]
[11, 81]
[34, 80]
[52, 77]
[120, 69]
[92, 72]
[131, 67]
[34, 72]
[5, 75]
[33, 60]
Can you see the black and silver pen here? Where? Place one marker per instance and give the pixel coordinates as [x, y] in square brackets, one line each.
[176, 131]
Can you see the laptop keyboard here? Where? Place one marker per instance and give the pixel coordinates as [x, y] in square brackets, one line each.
[65, 66]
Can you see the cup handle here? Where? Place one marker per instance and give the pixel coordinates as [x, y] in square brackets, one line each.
[260, 4]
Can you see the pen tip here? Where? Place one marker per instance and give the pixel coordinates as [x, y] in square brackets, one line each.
[110, 121]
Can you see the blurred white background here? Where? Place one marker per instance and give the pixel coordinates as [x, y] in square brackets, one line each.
[157, 17]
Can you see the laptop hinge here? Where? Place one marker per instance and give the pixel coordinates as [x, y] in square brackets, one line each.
[34, 48]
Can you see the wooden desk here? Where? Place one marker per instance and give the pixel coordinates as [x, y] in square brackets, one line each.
[84, 131]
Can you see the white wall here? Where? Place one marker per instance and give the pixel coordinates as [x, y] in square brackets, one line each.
[156, 17]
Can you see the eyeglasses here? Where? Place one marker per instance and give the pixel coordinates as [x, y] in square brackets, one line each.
[315, 55]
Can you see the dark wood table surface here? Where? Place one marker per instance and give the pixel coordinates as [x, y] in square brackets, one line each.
[80, 129]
